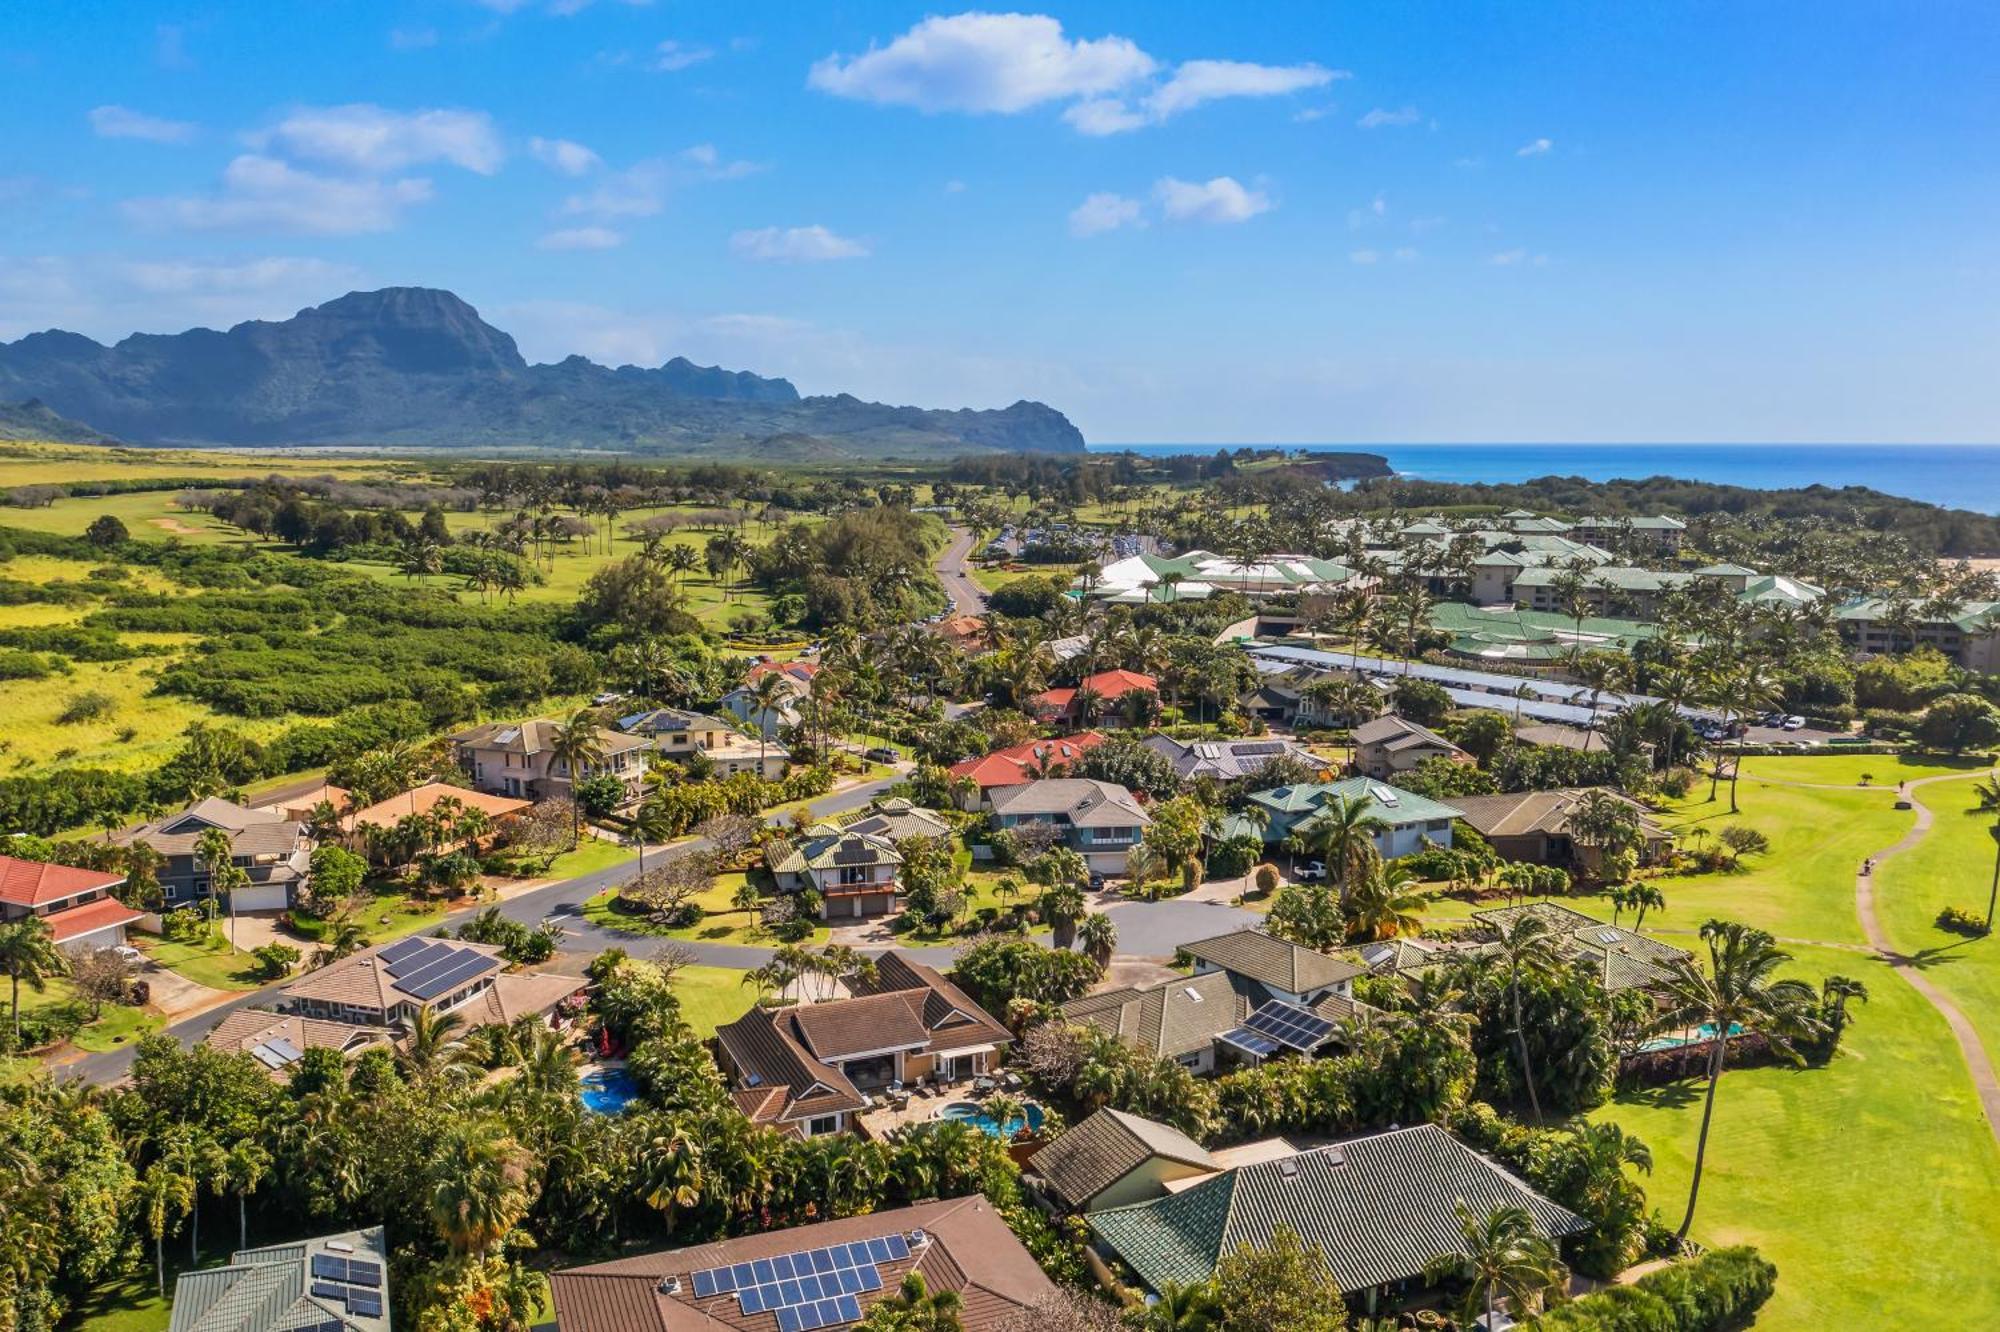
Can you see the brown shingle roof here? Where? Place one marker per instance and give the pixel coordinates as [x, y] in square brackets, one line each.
[1273, 961]
[1105, 1148]
[971, 1253]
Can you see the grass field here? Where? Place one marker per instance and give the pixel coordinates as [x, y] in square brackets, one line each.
[721, 922]
[712, 996]
[210, 962]
[389, 914]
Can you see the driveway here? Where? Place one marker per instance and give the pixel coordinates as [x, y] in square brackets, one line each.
[1157, 929]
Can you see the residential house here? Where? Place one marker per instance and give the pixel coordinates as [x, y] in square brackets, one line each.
[1231, 760]
[766, 1281]
[898, 820]
[1390, 745]
[298, 800]
[1110, 688]
[853, 863]
[780, 715]
[385, 986]
[76, 904]
[1100, 820]
[1113, 1159]
[333, 1283]
[273, 851]
[807, 1069]
[800, 671]
[1020, 763]
[515, 759]
[679, 735]
[280, 1040]
[1621, 959]
[1968, 636]
[967, 634]
[1412, 819]
[1534, 826]
[424, 800]
[1287, 971]
[1378, 1208]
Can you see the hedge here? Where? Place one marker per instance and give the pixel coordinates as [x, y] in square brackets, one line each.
[1720, 1290]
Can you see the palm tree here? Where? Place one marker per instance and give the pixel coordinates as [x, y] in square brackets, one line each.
[1384, 905]
[163, 1194]
[217, 854]
[433, 1043]
[1526, 946]
[1179, 1308]
[245, 1167]
[1502, 1256]
[1988, 792]
[1098, 937]
[576, 745]
[1344, 832]
[28, 953]
[1644, 897]
[1739, 992]
[769, 692]
[1834, 993]
[481, 1186]
[651, 823]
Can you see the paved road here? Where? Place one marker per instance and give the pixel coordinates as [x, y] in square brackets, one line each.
[971, 598]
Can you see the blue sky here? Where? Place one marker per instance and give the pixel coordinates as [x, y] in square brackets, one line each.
[1244, 222]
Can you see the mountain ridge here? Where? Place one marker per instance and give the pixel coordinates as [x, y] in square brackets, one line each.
[419, 366]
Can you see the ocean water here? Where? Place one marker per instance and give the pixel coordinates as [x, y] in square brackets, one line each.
[1960, 476]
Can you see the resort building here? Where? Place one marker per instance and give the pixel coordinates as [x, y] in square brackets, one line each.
[1969, 636]
[823, 1274]
[1378, 1208]
[515, 759]
[680, 735]
[76, 904]
[1140, 579]
[272, 850]
[808, 1068]
[335, 1283]
[1654, 534]
[1100, 820]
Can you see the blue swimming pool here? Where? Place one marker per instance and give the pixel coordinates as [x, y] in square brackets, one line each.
[607, 1091]
[1705, 1032]
[971, 1112]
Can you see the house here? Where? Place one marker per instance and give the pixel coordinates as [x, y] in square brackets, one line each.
[799, 671]
[1230, 760]
[1396, 957]
[807, 1069]
[515, 759]
[1534, 826]
[424, 800]
[385, 986]
[853, 872]
[1023, 763]
[765, 1282]
[76, 904]
[781, 714]
[1286, 971]
[679, 735]
[334, 1283]
[966, 634]
[1621, 959]
[274, 851]
[279, 1040]
[898, 820]
[1109, 687]
[1112, 1159]
[1296, 809]
[1100, 820]
[1390, 745]
[1378, 1208]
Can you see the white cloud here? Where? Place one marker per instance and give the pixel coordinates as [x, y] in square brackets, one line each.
[1364, 256]
[1404, 254]
[638, 191]
[183, 277]
[1198, 81]
[117, 122]
[1381, 118]
[671, 57]
[581, 238]
[982, 63]
[564, 155]
[364, 137]
[1104, 212]
[1534, 148]
[1222, 199]
[954, 187]
[794, 245]
[1515, 257]
[709, 163]
[1098, 116]
[262, 192]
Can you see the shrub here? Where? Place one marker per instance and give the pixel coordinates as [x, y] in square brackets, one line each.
[1719, 1290]
[87, 706]
[1232, 857]
[275, 960]
[1958, 920]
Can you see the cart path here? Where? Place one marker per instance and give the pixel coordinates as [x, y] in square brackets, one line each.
[1977, 1063]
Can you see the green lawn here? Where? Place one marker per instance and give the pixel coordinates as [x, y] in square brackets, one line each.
[591, 854]
[117, 1025]
[390, 914]
[211, 962]
[712, 996]
[721, 922]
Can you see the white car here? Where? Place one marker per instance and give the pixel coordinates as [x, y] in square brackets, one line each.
[1315, 869]
[1794, 723]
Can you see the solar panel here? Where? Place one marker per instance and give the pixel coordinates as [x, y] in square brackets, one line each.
[402, 948]
[1245, 1039]
[268, 1057]
[364, 1274]
[329, 1267]
[855, 853]
[447, 976]
[1290, 1025]
[809, 1288]
[418, 958]
[366, 1304]
[330, 1290]
[283, 1048]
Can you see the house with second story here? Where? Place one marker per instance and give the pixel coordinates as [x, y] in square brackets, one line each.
[1390, 744]
[1028, 761]
[679, 735]
[1101, 821]
[274, 852]
[518, 759]
[77, 905]
[386, 986]
[853, 863]
[1409, 819]
[809, 1069]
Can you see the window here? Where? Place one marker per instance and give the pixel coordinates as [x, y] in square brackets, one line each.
[857, 873]
[823, 1124]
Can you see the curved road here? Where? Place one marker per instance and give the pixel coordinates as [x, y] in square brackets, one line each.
[951, 567]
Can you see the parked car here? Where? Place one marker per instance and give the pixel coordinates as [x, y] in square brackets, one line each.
[1314, 869]
[1795, 723]
[882, 754]
[1096, 883]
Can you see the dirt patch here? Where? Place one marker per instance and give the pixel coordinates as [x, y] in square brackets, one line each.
[174, 526]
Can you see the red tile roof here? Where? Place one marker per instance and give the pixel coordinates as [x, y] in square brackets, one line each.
[91, 916]
[798, 670]
[30, 883]
[1107, 685]
[1016, 763]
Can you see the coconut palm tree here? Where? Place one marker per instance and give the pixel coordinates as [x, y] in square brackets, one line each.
[28, 953]
[1179, 1308]
[1988, 793]
[1739, 991]
[576, 745]
[246, 1166]
[1344, 832]
[769, 692]
[1384, 904]
[433, 1043]
[1525, 947]
[1098, 937]
[482, 1184]
[1501, 1257]
[163, 1194]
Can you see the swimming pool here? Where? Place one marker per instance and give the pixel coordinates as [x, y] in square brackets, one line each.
[1705, 1032]
[971, 1112]
[607, 1091]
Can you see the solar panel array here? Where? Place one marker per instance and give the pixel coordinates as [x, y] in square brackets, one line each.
[427, 968]
[807, 1289]
[1280, 1026]
[276, 1053]
[1469, 680]
[356, 1284]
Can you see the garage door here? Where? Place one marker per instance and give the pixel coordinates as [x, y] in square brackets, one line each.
[260, 897]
